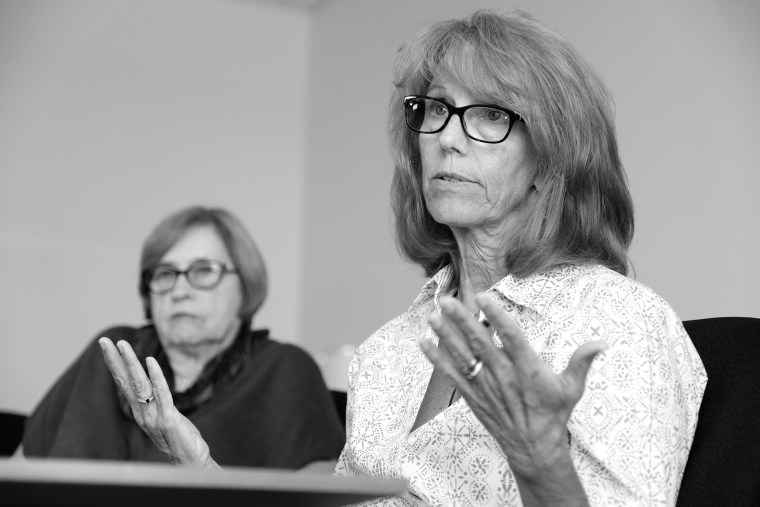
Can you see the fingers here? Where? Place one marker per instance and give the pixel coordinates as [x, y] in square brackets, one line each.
[126, 370]
[138, 380]
[116, 366]
[580, 362]
[509, 332]
[458, 332]
[478, 392]
[160, 386]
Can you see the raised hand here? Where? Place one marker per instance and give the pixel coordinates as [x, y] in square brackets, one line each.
[152, 406]
[519, 399]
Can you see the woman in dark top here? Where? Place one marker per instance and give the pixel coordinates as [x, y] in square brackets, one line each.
[255, 401]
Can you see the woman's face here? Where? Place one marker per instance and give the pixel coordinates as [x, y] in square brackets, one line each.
[188, 317]
[469, 184]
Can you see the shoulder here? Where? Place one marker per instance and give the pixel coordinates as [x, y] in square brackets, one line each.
[393, 334]
[637, 323]
[285, 358]
[606, 291]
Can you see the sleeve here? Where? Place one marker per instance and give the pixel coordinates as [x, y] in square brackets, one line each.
[631, 432]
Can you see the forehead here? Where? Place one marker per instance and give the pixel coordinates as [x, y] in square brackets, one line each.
[484, 64]
[200, 242]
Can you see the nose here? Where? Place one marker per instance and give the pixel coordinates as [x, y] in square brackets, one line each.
[453, 137]
[181, 287]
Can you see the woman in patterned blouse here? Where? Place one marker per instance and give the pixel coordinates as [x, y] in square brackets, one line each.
[529, 370]
[573, 384]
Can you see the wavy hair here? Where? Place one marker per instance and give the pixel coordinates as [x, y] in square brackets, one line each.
[238, 242]
[582, 211]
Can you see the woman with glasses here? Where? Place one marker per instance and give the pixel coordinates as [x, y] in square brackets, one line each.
[255, 401]
[530, 370]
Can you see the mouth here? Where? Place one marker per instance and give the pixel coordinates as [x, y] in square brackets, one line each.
[183, 315]
[451, 178]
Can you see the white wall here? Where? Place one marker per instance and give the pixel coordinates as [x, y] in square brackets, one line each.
[114, 114]
[685, 76]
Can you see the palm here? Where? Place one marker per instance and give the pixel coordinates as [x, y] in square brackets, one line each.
[170, 431]
[519, 399]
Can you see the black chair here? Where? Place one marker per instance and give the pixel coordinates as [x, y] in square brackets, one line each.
[340, 398]
[724, 462]
[11, 432]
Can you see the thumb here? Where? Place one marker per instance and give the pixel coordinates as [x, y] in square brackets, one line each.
[580, 363]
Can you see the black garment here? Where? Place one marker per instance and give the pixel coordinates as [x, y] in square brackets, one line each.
[274, 412]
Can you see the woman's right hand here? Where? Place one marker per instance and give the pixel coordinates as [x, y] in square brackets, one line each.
[172, 432]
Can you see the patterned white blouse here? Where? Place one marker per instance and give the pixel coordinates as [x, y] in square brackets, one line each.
[630, 434]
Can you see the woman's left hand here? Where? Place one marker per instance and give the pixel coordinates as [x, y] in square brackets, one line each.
[516, 396]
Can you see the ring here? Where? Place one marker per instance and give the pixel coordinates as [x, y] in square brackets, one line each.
[147, 400]
[473, 369]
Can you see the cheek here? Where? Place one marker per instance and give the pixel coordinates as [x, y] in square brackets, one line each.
[427, 151]
[227, 303]
[158, 311]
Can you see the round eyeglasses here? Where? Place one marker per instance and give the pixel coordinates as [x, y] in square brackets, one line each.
[481, 122]
[202, 274]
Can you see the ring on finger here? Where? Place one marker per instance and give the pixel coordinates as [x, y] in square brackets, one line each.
[473, 368]
[146, 401]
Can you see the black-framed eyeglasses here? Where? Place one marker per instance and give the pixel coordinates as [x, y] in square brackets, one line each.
[203, 274]
[482, 122]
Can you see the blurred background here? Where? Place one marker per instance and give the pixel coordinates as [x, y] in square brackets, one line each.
[114, 113]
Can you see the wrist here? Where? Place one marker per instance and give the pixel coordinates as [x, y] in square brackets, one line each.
[549, 479]
[533, 460]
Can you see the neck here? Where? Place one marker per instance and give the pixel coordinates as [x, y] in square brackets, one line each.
[187, 360]
[481, 263]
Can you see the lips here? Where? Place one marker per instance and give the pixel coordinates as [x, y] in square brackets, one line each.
[452, 178]
[183, 315]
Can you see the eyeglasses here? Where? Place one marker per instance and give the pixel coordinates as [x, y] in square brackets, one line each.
[481, 122]
[202, 274]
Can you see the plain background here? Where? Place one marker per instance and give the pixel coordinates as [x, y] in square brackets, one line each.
[114, 113]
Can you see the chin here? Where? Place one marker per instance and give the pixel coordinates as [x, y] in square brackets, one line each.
[183, 335]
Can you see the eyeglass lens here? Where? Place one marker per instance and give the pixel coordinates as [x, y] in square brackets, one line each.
[482, 123]
[203, 274]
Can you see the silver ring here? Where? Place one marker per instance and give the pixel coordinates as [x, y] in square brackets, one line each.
[147, 400]
[473, 369]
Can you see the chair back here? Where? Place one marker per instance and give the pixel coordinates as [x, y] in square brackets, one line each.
[11, 432]
[724, 461]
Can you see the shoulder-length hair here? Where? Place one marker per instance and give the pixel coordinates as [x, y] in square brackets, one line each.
[239, 244]
[582, 210]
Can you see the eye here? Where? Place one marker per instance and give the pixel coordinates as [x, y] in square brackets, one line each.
[203, 268]
[440, 110]
[163, 273]
[494, 115]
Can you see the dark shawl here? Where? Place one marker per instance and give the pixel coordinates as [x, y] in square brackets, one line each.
[273, 410]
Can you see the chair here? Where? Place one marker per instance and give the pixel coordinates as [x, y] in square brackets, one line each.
[724, 462]
[340, 398]
[11, 432]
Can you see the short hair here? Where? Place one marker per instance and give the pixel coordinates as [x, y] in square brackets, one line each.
[240, 246]
[582, 211]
